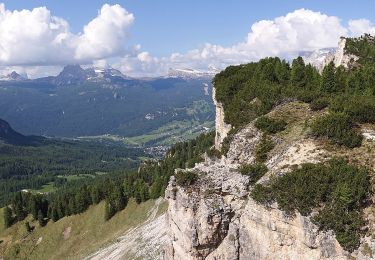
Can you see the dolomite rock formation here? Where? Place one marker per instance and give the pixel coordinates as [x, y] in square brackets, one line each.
[222, 128]
[341, 58]
[215, 218]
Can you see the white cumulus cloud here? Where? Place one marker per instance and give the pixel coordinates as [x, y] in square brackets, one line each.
[361, 26]
[106, 34]
[36, 37]
[300, 30]
[285, 36]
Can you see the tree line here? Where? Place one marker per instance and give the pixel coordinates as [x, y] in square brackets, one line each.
[148, 182]
[31, 167]
[252, 90]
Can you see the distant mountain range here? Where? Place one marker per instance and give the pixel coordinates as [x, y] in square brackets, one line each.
[193, 73]
[100, 101]
[13, 76]
[76, 75]
[93, 102]
[73, 75]
[317, 57]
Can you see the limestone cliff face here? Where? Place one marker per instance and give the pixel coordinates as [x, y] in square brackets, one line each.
[215, 218]
[341, 57]
[222, 128]
[232, 227]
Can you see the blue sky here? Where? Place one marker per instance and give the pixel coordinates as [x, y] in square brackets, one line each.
[154, 35]
[165, 26]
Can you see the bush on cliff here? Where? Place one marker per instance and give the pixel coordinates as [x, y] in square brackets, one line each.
[263, 148]
[252, 90]
[339, 128]
[254, 171]
[319, 104]
[186, 178]
[270, 125]
[336, 190]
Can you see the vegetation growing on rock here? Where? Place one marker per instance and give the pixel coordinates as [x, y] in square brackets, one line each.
[263, 148]
[339, 128]
[362, 47]
[336, 190]
[269, 125]
[254, 171]
[319, 104]
[272, 81]
[186, 178]
[214, 153]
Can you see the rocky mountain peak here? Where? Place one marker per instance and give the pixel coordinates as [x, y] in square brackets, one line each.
[71, 75]
[76, 75]
[72, 69]
[318, 57]
[13, 76]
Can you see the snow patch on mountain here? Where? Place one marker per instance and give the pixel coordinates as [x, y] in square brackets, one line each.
[318, 57]
[76, 75]
[189, 73]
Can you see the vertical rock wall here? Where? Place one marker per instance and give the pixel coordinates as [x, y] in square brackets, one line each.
[341, 57]
[222, 128]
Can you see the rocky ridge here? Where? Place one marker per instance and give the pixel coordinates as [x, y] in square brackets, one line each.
[317, 57]
[221, 127]
[189, 73]
[13, 76]
[215, 218]
[340, 57]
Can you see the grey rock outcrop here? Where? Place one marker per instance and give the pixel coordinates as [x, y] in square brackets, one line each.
[222, 128]
[215, 218]
[341, 57]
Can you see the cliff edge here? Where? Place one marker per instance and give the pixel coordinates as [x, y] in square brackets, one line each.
[215, 218]
[291, 173]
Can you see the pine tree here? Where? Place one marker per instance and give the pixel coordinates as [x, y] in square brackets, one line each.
[144, 193]
[298, 74]
[109, 210]
[156, 188]
[80, 202]
[119, 198]
[341, 79]
[268, 73]
[19, 207]
[282, 71]
[41, 219]
[95, 195]
[8, 218]
[55, 215]
[34, 208]
[328, 78]
[312, 77]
